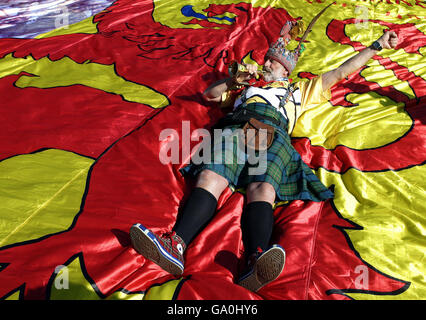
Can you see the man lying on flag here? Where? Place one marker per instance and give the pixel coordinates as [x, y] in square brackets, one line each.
[273, 104]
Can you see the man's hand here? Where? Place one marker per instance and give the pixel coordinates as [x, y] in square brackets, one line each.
[388, 40]
[243, 77]
[214, 92]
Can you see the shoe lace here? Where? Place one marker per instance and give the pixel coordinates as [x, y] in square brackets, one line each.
[171, 235]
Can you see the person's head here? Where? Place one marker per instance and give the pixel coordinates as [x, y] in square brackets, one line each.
[273, 70]
[280, 61]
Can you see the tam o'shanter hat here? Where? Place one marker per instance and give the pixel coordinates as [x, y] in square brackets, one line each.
[290, 31]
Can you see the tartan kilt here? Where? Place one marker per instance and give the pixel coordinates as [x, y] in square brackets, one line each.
[280, 165]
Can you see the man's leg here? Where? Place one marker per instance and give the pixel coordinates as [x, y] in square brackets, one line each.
[200, 207]
[167, 250]
[257, 220]
[265, 263]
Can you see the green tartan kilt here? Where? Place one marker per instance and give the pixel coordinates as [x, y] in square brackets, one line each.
[280, 165]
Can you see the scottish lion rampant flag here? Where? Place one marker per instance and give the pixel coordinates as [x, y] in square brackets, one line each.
[87, 87]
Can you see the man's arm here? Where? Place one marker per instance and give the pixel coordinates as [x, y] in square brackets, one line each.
[389, 40]
[214, 92]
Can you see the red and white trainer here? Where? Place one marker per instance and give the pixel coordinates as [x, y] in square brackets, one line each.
[165, 250]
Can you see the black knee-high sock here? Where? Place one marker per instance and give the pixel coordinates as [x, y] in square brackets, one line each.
[257, 222]
[197, 212]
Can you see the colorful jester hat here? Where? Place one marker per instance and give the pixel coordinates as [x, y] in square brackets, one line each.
[278, 51]
[290, 31]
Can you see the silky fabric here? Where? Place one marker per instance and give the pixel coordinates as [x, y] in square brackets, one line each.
[98, 118]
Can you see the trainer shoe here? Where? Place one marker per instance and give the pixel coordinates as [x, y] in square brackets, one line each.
[165, 250]
[264, 267]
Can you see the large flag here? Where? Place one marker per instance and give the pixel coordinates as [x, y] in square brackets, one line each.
[85, 98]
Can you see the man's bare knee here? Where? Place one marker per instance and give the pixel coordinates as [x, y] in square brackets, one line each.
[260, 191]
[212, 182]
